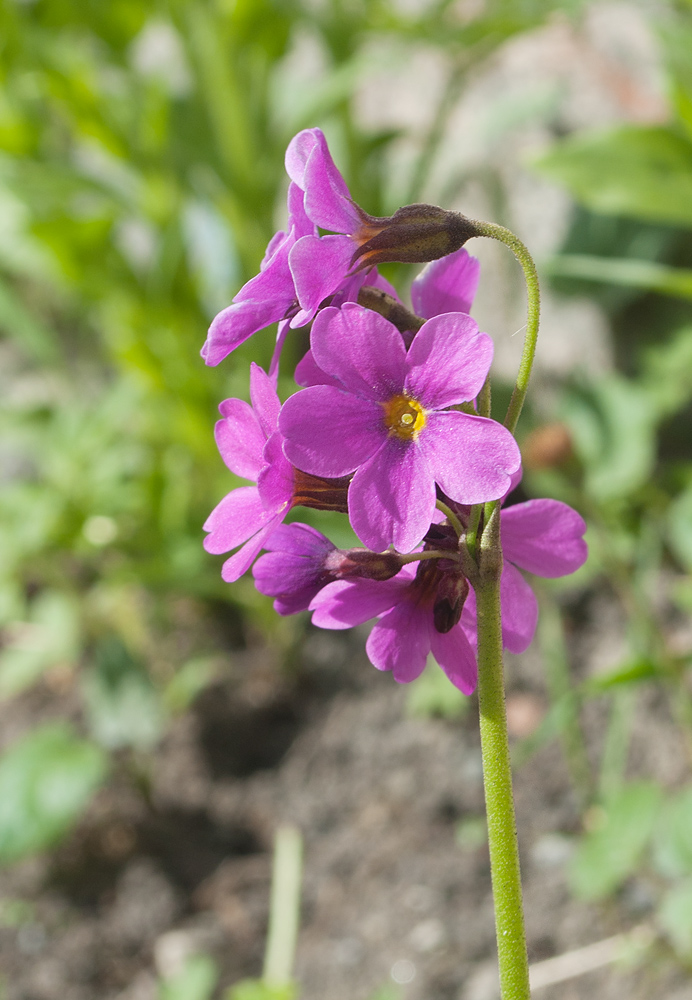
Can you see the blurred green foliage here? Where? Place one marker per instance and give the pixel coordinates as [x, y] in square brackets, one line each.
[141, 176]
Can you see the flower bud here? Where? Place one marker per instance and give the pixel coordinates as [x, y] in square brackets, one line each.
[363, 564]
[452, 592]
[415, 234]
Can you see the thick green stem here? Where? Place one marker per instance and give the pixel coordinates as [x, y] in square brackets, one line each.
[534, 304]
[497, 774]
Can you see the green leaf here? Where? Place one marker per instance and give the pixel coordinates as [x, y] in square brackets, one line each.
[613, 425]
[46, 781]
[645, 173]
[645, 274]
[49, 638]
[196, 981]
[610, 852]
[672, 849]
[123, 707]
[680, 527]
[675, 916]
[255, 989]
[631, 672]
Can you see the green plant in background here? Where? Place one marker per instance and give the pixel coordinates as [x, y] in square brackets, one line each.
[140, 169]
[629, 469]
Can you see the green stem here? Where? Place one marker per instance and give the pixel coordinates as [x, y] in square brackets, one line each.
[497, 775]
[451, 517]
[472, 530]
[534, 305]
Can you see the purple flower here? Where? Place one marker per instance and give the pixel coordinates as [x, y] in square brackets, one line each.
[407, 630]
[251, 446]
[268, 297]
[431, 608]
[300, 561]
[385, 416]
[543, 537]
[293, 569]
[415, 233]
[445, 285]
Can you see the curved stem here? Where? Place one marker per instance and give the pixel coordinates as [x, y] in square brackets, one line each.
[451, 517]
[497, 775]
[534, 307]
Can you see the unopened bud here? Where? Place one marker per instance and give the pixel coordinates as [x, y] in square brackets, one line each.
[415, 234]
[452, 592]
[363, 564]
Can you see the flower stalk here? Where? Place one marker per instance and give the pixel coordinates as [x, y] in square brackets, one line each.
[497, 776]
[497, 770]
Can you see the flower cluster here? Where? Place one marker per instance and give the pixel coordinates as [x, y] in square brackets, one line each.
[385, 428]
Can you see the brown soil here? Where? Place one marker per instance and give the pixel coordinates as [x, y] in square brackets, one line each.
[175, 853]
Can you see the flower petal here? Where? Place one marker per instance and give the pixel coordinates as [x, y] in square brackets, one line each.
[472, 458]
[446, 285]
[276, 480]
[241, 560]
[308, 373]
[281, 335]
[519, 612]
[318, 264]
[454, 653]
[361, 349]
[265, 401]
[239, 515]
[391, 498]
[327, 199]
[400, 641]
[448, 361]
[236, 323]
[544, 537]
[346, 603]
[240, 438]
[330, 433]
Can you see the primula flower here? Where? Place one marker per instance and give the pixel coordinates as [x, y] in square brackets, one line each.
[300, 561]
[409, 608]
[384, 416]
[251, 446]
[420, 610]
[415, 233]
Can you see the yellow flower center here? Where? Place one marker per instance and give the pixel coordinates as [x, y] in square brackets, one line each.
[403, 417]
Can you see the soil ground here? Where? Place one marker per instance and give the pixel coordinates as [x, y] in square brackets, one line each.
[176, 857]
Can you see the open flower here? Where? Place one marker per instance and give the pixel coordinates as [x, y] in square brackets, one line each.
[415, 617]
[384, 416]
[251, 446]
[432, 609]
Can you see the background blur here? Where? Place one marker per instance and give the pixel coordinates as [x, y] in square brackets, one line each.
[157, 723]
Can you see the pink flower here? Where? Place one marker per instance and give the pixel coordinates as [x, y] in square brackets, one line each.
[384, 417]
[431, 609]
[251, 446]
